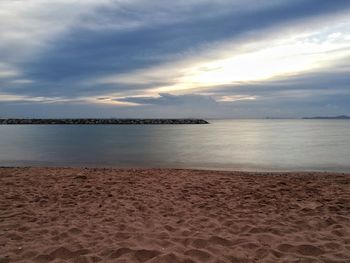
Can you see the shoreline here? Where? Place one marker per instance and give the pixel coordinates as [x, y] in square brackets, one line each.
[229, 169]
[172, 215]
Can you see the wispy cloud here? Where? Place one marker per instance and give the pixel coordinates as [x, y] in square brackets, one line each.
[266, 59]
[167, 99]
[138, 55]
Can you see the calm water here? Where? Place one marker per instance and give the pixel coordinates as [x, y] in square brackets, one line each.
[227, 144]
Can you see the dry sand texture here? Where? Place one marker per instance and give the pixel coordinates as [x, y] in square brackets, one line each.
[106, 215]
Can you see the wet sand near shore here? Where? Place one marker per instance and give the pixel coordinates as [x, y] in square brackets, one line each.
[169, 215]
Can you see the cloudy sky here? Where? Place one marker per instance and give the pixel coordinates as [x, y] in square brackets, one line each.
[184, 58]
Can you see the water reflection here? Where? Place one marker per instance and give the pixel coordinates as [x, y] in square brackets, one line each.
[226, 144]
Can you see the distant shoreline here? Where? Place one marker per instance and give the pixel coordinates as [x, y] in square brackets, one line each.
[341, 117]
[92, 121]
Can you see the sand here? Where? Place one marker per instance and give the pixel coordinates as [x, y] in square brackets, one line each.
[106, 215]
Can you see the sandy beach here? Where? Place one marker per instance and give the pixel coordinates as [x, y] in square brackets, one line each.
[160, 215]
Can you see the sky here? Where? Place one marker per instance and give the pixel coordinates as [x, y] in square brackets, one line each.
[174, 59]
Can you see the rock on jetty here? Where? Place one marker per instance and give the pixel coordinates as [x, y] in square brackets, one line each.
[102, 121]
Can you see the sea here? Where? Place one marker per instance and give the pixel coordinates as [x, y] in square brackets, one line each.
[245, 145]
